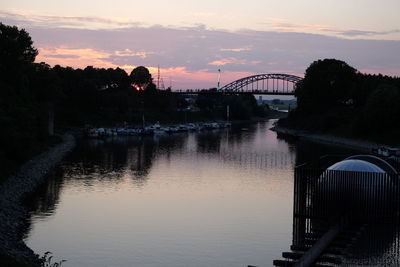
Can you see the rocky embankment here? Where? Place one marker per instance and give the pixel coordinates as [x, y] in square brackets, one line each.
[13, 191]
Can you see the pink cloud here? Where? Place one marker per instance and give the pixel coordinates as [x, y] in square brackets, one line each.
[232, 60]
[74, 57]
[241, 49]
[130, 53]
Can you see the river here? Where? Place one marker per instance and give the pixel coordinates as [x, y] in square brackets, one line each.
[217, 198]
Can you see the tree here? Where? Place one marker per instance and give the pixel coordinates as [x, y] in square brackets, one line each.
[121, 78]
[45, 86]
[16, 52]
[141, 78]
[327, 83]
[19, 115]
[382, 109]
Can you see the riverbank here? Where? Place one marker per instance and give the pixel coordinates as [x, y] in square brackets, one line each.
[168, 128]
[272, 114]
[361, 145]
[13, 214]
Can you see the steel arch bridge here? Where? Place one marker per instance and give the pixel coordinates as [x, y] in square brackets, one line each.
[271, 83]
[260, 84]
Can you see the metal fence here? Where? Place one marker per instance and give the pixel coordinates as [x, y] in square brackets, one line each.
[322, 197]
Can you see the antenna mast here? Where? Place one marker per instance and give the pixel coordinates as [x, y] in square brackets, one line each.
[158, 77]
[162, 84]
[219, 78]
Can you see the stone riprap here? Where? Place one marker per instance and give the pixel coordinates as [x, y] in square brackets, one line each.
[13, 192]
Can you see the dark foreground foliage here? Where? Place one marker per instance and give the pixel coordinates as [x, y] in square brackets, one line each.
[7, 261]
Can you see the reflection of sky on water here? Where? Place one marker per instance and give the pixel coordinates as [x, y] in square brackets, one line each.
[221, 198]
[196, 199]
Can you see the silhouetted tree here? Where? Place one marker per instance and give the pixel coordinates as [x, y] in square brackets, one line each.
[141, 77]
[16, 53]
[382, 110]
[327, 83]
[19, 123]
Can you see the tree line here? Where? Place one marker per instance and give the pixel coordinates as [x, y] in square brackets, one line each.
[35, 98]
[335, 98]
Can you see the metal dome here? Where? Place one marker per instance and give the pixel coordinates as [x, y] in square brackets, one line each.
[361, 185]
[356, 165]
[383, 164]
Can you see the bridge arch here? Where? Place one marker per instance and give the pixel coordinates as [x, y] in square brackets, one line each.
[284, 84]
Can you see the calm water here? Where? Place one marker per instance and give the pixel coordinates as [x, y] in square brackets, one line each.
[221, 198]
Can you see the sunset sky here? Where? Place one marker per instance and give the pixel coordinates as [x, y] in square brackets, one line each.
[191, 40]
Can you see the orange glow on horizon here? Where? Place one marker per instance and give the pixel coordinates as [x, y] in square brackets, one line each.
[74, 57]
[180, 77]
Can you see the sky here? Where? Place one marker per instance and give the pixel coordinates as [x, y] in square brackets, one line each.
[190, 40]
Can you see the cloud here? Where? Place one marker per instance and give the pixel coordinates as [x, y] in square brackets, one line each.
[185, 58]
[354, 33]
[241, 49]
[80, 22]
[287, 26]
[232, 60]
[76, 57]
[319, 28]
[129, 53]
[95, 23]
[191, 56]
[61, 56]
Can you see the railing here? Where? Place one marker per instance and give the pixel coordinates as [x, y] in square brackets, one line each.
[331, 193]
[325, 199]
[322, 197]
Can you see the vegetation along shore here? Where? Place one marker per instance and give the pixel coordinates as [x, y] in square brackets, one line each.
[356, 144]
[335, 101]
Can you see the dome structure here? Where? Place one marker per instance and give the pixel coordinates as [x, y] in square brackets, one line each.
[360, 184]
[383, 164]
[355, 165]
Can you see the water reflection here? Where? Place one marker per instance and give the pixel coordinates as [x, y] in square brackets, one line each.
[179, 200]
[44, 202]
[222, 198]
[377, 245]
